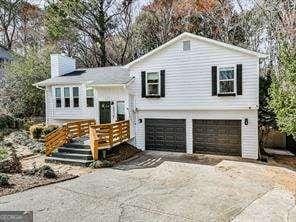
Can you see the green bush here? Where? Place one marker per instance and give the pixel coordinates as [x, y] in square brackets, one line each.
[43, 171]
[3, 153]
[4, 180]
[9, 122]
[49, 128]
[47, 172]
[36, 131]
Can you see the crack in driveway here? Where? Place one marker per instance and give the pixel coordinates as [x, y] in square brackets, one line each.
[122, 203]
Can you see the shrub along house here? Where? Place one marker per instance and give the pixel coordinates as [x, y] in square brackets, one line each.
[192, 94]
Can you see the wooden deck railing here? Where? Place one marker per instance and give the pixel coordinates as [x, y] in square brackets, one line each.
[63, 134]
[55, 139]
[105, 136]
[79, 128]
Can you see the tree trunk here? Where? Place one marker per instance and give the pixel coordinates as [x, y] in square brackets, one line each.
[102, 33]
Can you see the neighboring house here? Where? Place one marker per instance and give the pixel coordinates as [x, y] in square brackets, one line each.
[4, 56]
[192, 94]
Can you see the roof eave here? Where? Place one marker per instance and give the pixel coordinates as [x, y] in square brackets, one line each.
[187, 34]
[106, 85]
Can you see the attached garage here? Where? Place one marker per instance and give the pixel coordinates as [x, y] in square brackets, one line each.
[165, 134]
[217, 136]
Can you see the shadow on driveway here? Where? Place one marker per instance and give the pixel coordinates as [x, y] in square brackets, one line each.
[150, 159]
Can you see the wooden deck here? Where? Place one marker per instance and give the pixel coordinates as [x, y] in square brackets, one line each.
[102, 136]
[106, 136]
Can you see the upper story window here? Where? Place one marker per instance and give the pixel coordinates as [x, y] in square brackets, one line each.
[75, 96]
[90, 97]
[152, 84]
[58, 97]
[67, 96]
[226, 80]
[186, 45]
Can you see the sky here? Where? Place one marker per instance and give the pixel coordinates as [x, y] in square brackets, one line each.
[41, 2]
[245, 3]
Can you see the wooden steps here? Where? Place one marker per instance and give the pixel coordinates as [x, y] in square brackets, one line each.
[73, 154]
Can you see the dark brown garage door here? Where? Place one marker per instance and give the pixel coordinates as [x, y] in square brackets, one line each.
[217, 136]
[165, 134]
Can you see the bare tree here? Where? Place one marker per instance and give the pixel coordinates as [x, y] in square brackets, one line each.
[90, 18]
[9, 18]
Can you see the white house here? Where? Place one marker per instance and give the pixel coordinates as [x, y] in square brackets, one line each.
[192, 94]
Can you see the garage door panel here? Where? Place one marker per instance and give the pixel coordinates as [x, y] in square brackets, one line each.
[165, 134]
[217, 136]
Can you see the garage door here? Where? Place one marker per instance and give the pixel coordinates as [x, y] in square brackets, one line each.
[217, 136]
[165, 134]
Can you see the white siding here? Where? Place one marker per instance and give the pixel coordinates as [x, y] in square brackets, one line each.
[60, 115]
[188, 77]
[188, 90]
[249, 132]
[61, 64]
[188, 93]
[112, 94]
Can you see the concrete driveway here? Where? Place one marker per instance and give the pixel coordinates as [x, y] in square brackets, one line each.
[166, 187]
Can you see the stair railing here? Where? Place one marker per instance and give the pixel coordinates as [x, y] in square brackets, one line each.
[57, 138]
[63, 134]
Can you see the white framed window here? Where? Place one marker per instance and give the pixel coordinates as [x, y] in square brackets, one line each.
[120, 111]
[153, 84]
[90, 97]
[186, 45]
[75, 96]
[66, 97]
[58, 97]
[226, 80]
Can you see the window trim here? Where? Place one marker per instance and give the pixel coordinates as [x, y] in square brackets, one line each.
[60, 97]
[233, 93]
[159, 85]
[90, 97]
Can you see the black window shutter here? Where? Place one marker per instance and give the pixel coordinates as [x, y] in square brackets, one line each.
[239, 79]
[143, 77]
[162, 83]
[214, 80]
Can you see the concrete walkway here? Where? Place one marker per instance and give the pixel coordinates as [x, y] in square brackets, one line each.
[154, 187]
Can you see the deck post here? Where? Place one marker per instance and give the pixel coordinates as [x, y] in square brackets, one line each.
[111, 135]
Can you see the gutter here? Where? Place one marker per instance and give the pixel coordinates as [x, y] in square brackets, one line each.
[90, 83]
[195, 108]
[38, 87]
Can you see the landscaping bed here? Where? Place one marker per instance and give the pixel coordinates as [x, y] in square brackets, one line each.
[24, 145]
[116, 155]
[121, 153]
[288, 161]
[20, 182]
[13, 177]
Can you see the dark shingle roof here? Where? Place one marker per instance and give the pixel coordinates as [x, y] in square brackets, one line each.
[93, 76]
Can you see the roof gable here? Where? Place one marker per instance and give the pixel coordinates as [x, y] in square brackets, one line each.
[200, 38]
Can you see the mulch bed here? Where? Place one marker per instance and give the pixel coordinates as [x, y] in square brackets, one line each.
[121, 153]
[20, 182]
[289, 161]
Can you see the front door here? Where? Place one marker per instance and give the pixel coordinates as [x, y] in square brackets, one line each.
[105, 112]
